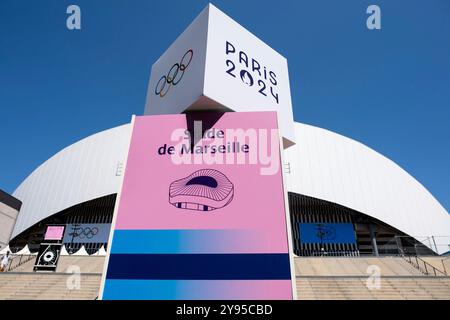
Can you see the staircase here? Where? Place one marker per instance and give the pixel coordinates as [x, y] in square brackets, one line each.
[87, 264]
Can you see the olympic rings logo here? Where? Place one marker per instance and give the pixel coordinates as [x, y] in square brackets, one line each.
[174, 75]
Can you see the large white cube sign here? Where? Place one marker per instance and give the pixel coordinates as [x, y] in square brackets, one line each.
[216, 64]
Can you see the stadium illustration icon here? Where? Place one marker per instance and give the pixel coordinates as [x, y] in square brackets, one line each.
[203, 190]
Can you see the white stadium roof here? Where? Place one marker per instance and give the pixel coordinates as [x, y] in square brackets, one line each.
[85, 170]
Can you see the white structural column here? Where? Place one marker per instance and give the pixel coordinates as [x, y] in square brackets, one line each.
[331, 167]
[9, 210]
[323, 165]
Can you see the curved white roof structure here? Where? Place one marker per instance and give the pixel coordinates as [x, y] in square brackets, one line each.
[323, 165]
[331, 167]
[85, 170]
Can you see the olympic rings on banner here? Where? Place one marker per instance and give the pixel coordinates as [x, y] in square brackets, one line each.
[175, 74]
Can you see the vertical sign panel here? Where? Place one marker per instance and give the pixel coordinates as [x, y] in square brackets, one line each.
[50, 249]
[202, 211]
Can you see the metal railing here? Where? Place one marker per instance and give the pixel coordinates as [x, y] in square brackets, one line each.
[410, 249]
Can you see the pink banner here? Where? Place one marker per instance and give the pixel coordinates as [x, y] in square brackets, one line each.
[54, 233]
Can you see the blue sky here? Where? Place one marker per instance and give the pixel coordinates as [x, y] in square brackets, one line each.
[389, 89]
